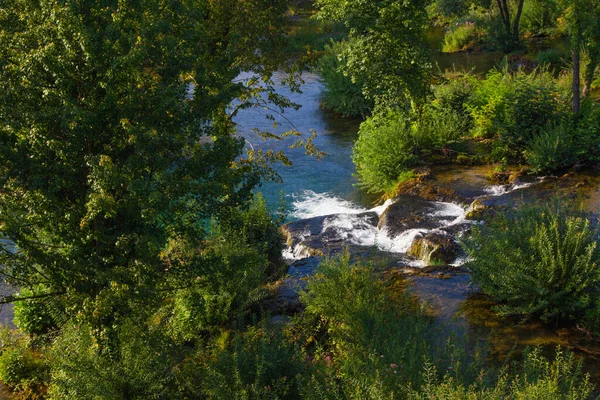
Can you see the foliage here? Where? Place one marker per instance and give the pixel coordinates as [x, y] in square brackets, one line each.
[389, 58]
[377, 169]
[141, 366]
[37, 316]
[456, 94]
[341, 94]
[463, 37]
[515, 106]
[378, 338]
[540, 261]
[21, 369]
[261, 363]
[116, 149]
[535, 377]
[553, 57]
[539, 17]
[553, 149]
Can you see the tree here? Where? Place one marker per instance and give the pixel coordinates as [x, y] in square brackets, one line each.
[116, 150]
[386, 50]
[584, 31]
[511, 24]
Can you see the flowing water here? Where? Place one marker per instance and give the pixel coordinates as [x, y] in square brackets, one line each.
[324, 193]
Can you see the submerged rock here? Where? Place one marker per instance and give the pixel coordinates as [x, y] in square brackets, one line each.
[435, 249]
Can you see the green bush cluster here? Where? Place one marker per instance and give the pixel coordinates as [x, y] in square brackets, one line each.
[538, 260]
[539, 17]
[563, 144]
[361, 336]
[341, 94]
[22, 370]
[464, 36]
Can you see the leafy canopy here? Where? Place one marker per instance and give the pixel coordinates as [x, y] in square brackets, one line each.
[386, 51]
[115, 145]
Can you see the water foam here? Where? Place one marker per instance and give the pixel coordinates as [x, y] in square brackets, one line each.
[346, 224]
[309, 204]
[499, 190]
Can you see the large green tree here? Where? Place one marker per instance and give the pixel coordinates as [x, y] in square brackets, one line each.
[386, 50]
[116, 149]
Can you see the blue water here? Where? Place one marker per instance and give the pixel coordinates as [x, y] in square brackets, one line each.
[333, 175]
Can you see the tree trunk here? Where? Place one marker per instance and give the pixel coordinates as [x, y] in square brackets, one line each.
[505, 14]
[516, 36]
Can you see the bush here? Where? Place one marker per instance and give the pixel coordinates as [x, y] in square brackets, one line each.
[550, 57]
[540, 261]
[378, 338]
[341, 95]
[140, 364]
[462, 37]
[539, 17]
[533, 378]
[384, 152]
[260, 363]
[553, 149]
[439, 127]
[37, 316]
[515, 107]
[21, 369]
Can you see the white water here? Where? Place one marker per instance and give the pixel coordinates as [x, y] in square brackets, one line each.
[499, 190]
[352, 228]
[347, 222]
[309, 204]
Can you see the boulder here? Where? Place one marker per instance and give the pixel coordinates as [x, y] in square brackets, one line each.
[435, 248]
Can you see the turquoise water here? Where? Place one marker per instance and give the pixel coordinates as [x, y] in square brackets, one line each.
[325, 183]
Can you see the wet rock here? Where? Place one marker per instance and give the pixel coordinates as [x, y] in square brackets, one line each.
[478, 209]
[411, 212]
[435, 249]
[327, 234]
[427, 191]
[304, 268]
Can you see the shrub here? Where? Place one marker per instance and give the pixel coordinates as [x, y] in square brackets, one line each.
[463, 37]
[21, 369]
[378, 338]
[140, 364]
[37, 316]
[539, 17]
[516, 106]
[456, 94]
[341, 95]
[534, 378]
[540, 261]
[384, 152]
[439, 127]
[552, 149]
[237, 271]
[551, 57]
[260, 363]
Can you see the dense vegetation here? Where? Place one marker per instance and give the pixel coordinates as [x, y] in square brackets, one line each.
[144, 257]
